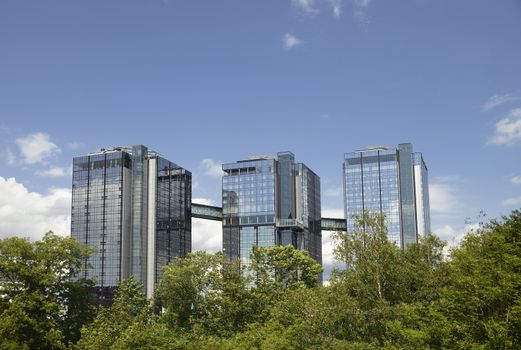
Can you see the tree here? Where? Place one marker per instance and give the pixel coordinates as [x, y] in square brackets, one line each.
[205, 292]
[284, 266]
[481, 302]
[372, 262]
[41, 305]
[390, 289]
[111, 322]
[210, 294]
[424, 270]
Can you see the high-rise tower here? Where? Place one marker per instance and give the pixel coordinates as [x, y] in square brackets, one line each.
[392, 182]
[132, 208]
[270, 201]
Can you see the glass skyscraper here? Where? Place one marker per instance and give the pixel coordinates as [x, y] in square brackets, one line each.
[270, 201]
[132, 208]
[392, 182]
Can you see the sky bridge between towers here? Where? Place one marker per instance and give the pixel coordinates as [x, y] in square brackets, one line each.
[209, 212]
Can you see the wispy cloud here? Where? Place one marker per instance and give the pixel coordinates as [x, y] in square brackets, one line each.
[306, 7]
[4, 128]
[334, 192]
[516, 180]
[55, 172]
[361, 16]
[74, 145]
[512, 201]
[507, 130]
[336, 7]
[290, 41]
[498, 100]
[211, 167]
[359, 11]
[447, 178]
[10, 156]
[361, 3]
[443, 198]
[36, 148]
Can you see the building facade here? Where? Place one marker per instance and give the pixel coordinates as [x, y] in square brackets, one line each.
[269, 201]
[132, 208]
[390, 181]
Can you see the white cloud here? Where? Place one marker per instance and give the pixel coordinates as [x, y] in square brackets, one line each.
[31, 214]
[333, 213]
[516, 180]
[361, 3]
[443, 198]
[36, 148]
[452, 235]
[207, 235]
[328, 260]
[498, 100]
[53, 172]
[290, 41]
[447, 178]
[307, 7]
[211, 167]
[204, 201]
[11, 158]
[336, 6]
[359, 10]
[508, 130]
[447, 204]
[512, 201]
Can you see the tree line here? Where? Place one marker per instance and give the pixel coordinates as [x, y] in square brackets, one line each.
[382, 298]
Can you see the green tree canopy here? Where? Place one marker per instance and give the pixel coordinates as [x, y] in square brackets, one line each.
[283, 267]
[382, 298]
[204, 291]
[111, 322]
[41, 305]
[482, 299]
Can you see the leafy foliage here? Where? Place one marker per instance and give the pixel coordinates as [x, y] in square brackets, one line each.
[383, 298]
[41, 306]
[483, 293]
[286, 267]
[111, 322]
[204, 292]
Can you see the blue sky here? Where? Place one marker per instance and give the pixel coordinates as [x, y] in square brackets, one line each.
[205, 82]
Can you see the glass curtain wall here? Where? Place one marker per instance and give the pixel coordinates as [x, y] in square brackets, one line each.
[392, 182]
[173, 214]
[248, 207]
[270, 201]
[405, 159]
[371, 183]
[97, 215]
[113, 194]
